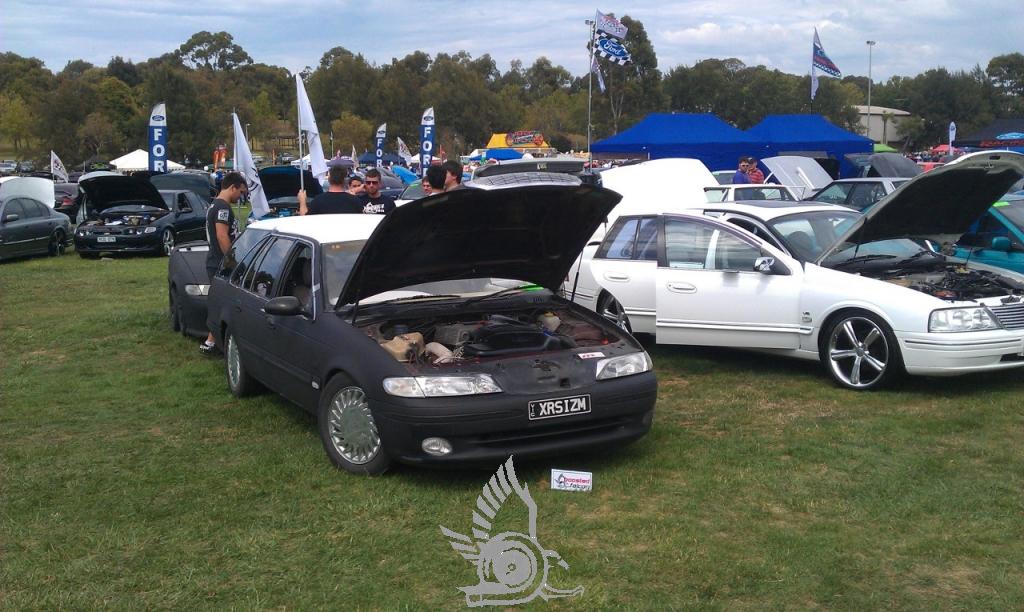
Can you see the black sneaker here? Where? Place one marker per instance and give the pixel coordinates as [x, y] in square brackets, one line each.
[208, 349]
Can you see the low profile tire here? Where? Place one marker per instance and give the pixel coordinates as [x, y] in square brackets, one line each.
[175, 311]
[348, 430]
[860, 351]
[58, 244]
[239, 382]
[167, 242]
[610, 308]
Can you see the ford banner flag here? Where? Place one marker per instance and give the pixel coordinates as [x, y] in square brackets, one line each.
[158, 138]
[382, 134]
[426, 140]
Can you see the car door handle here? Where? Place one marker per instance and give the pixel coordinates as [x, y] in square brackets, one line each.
[681, 288]
[613, 276]
[270, 322]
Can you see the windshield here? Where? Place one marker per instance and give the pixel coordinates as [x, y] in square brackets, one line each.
[808, 234]
[413, 192]
[885, 252]
[1012, 210]
[339, 257]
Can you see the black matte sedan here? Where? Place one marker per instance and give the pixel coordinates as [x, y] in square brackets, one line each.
[434, 335]
[125, 214]
[29, 227]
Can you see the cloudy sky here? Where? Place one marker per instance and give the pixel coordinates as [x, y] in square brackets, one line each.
[912, 35]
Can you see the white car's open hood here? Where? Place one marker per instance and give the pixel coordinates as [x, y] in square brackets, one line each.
[33, 187]
[802, 173]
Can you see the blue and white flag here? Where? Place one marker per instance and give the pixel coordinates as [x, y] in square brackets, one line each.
[307, 124]
[426, 140]
[158, 138]
[382, 134]
[245, 166]
[820, 61]
[611, 49]
[57, 168]
[404, 152]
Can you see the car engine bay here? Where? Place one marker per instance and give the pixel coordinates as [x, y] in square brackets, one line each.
[955, 282]
[473, 337]
[138, 215]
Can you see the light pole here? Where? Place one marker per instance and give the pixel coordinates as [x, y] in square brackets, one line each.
[871, 45]
[249, 144]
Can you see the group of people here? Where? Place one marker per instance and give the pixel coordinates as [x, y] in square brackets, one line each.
[748, 172]
[354, 195]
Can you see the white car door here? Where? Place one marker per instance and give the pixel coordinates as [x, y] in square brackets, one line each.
[624, 266]
[708, 293]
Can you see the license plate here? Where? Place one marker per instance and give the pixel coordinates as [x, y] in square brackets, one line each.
[105, 239]
[559, 407]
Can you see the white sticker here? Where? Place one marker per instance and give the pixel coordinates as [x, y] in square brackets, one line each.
[222, 215]
[566, 480]
[589, 355]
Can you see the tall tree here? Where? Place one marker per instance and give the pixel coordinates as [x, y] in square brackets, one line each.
[212, 52]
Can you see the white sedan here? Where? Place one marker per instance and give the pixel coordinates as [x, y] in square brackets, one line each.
[871, 298]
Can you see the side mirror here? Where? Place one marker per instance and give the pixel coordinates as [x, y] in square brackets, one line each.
[284, 306]
[11, 217]
[1001, 243]
[764, 265]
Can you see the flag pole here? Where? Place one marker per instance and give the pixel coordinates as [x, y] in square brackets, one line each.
[590, 92]
[302, 165]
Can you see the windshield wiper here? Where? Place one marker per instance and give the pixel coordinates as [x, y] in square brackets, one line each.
[863, 258]
[409, 298]
[496, 294]
[919, 255]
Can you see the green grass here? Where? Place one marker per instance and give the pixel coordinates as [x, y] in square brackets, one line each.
[130, 478]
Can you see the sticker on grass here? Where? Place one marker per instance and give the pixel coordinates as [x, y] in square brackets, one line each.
[512, 567]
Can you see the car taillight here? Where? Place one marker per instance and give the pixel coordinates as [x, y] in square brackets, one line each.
[66, 201]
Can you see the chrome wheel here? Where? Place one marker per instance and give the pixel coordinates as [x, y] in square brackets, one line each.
[168, 241]
[234, 362]
[351, 427]
[613, 311]
[859, 353]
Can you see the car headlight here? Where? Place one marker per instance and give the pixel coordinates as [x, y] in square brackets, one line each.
[197, 289]
[149, 230]
[624, 365]
[441, 386]
[975, 318]
[81, 232]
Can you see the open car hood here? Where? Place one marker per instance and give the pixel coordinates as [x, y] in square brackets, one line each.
[106, 191]
[797, 171]
[531, 233]
[890, 165]
[939, 205]
[185, 181]
[283, 181]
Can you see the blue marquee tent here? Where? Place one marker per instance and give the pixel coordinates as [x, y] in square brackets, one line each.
[699, 136]
[781, 134]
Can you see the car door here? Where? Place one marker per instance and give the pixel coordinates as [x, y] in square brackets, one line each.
[708, 293]
[17, 231]
[624, 266]
[41, 224]
[191, 217]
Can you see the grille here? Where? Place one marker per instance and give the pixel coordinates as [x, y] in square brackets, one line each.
[1010, 316]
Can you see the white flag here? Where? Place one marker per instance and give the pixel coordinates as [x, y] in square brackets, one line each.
[610, 25]
[307, 124]
[404, 152]
[247, 168]
[354, 158]
[57, 168]
[597, 70]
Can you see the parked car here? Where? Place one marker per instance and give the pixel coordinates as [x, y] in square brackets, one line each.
[30, 227]
[127, 214]
[26, 166]
[285, 157]
[735, 193]
[198, 182]
[64, 196]
[857, 193]
[8, 167]
[997, 238]
[419, 354]
[879, 301]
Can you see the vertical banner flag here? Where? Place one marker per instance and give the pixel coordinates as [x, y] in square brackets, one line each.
[597, 70]
[426, 140]
[820, 61]
[158, 138]
[382, 134]
[245, 166]
[952, 137]
[57, 168]
[307, 124]
[404, 152]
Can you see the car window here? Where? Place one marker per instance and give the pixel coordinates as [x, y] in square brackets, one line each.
[731, 253]
[754, 229]
[861, 196]
[268, 271]
[714, 194]
[647, 239]
[687, 244]
[808, 234]
[338, 259]
[240, 256]
[31, 212]
[14, 208]
[771, 193]
[621, 242]
[834, 194]
[39, 209]
[184, 205]
[297, 277]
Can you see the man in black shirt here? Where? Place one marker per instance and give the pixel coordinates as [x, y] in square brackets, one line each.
[333, 201]
[374, 202]
[221, 230]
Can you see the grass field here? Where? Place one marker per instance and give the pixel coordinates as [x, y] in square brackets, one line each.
[130, 478]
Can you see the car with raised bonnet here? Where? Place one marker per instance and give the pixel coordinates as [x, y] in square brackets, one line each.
[872, 297]
[434, 335]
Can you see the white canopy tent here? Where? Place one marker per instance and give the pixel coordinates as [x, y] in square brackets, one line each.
[138, 160]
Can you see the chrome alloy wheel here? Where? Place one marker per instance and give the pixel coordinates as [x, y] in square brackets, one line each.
[351, 427]
[616, 314]
[168, 241]
[858, 352]
[234, 362]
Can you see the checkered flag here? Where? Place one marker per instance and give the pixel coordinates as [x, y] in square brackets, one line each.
[611, 49]
[57, 168]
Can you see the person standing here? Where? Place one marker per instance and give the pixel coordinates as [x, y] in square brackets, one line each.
[435, 179]
[375, 202]
[452, 175]
[741, 177]
[355, 185]
[333, 201]
[221, 231]
[753, 172]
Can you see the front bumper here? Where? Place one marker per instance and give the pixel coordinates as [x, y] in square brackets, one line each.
[961, 353]
[488, 428]
[123, 243]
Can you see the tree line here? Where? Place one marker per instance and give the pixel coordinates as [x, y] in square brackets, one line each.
[86, 110]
